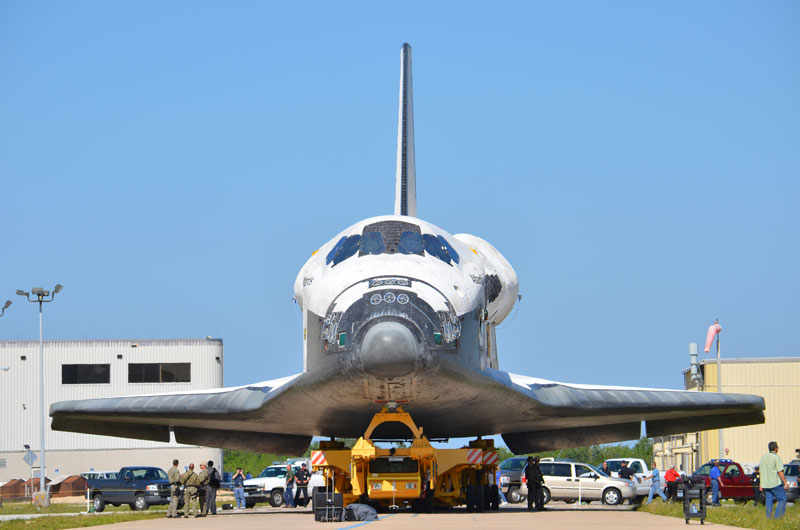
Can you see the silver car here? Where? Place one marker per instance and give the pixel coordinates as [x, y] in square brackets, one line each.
[792, 471]
[570, 481]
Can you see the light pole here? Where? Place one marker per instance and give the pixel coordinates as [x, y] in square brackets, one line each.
[40, 295]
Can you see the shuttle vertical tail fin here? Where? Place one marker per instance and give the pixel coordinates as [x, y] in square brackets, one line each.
[405, 202]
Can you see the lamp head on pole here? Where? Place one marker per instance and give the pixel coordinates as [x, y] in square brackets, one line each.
[22, 293]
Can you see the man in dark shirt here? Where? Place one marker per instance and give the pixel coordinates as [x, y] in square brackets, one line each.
[626, 472]
[534, 479]
[301, 479]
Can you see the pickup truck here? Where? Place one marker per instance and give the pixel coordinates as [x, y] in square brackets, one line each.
[640, 469]
[139, 487]
[734, 483]
[270, 485]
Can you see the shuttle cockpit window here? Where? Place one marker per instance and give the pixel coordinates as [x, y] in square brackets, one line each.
[411, 243]
[450, 250]
[434, 247]
[372, 243]
[346, 247]
[391, 237]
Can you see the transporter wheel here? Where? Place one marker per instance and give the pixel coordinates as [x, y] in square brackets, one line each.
[514, 496]
[470, 494]
[479, 498]
[98, 502]
[494, 496]
[612, 496]
[487, 497]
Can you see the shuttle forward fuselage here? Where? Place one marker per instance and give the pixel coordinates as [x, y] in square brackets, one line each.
[393, 296]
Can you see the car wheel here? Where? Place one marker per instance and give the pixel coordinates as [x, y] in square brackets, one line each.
[709, 497]
[570, 501]
[514, 496]
[545, 495]
[98, 503]
[139, 503]
[612, 496]
[276, 498]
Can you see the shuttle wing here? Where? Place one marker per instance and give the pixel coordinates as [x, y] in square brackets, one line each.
[248, 417]
[554, 415]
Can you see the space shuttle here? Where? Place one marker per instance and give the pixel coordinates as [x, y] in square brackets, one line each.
[397, 310]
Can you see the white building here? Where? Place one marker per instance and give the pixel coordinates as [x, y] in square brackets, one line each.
[94, 369]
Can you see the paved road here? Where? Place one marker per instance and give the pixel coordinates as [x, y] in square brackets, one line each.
[559, 516]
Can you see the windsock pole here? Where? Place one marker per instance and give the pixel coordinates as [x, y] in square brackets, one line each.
[719, 391]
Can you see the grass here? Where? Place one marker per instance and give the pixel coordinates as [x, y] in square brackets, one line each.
[78, 521]
[18, 508]
[742, 516]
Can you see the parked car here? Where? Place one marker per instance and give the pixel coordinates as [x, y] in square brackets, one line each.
[511, 478]
[569, 481]
[271, 483]
[139, 487]
[734, 483]
[99, 474]
[791, 472]
[640, 469]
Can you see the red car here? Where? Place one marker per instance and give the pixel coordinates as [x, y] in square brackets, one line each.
[734, 483]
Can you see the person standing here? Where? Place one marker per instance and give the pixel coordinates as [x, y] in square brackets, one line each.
[201, 488]
[771, 469]
[626, 472]
[534, 479]
[755, 479]
[238, 489]
[655, 486]
[174, 476]
[248, 476]
[301, 482]
[671, 478]
[190, 481]
[605, 469]
[714, 476]
[211, 489]
[288, 498]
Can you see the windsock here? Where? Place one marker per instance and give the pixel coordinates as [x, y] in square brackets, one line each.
[713, 329]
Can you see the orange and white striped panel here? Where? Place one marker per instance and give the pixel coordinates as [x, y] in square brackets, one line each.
[474, 456]
[318, 458]
[490, 458]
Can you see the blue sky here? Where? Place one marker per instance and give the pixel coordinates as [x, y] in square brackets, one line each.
[173, 165]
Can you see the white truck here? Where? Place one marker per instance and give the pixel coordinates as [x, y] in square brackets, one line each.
[640, 469]
[270, 485]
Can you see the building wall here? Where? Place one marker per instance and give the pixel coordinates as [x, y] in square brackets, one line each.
[20, 413]
[777, 380]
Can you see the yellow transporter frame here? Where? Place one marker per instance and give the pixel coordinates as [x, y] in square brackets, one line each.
[447, 473]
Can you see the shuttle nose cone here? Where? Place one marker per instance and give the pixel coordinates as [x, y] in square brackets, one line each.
[389, 349]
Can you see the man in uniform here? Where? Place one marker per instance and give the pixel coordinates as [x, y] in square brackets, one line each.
[190, 480]
[534, 479]
[201, 489]
[301, 479]
[174, 476]
[211, 489]
[626, 472]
